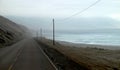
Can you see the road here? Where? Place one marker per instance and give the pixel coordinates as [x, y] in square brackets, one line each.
[24, 55]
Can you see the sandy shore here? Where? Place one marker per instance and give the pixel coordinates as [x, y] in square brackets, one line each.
[93, 57]
[110, 47]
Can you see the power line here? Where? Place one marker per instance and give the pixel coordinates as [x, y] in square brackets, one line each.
[83, 10]
[72, 16]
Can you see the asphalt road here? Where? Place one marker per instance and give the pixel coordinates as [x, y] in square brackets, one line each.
[24, 55]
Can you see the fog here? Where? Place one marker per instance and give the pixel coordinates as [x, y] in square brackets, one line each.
[39, 14]
[79, 24]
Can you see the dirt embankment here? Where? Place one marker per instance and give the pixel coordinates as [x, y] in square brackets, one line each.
[61, 61]
[10, 32]
[86, 57]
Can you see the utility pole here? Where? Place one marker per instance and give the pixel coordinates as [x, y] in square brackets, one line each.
[41, 33]
[37, 34]
[53, 32]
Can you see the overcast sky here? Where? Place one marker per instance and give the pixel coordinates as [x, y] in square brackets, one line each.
[39, 13]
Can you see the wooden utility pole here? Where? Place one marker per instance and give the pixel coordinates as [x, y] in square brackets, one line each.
[53, 32]
[41, 33]
[37, 35]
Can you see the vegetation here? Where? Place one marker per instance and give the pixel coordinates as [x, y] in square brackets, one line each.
[11, 32]
[5, 38]
[91, 57]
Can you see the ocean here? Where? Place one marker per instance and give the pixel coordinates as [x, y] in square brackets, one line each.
[89, 38]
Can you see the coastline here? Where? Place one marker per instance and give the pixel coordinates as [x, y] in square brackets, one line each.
[90, 56]
[84, 45]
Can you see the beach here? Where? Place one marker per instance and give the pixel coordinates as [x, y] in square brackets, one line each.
[93, 57]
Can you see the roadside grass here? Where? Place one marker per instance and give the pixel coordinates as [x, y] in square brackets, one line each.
[92, 57]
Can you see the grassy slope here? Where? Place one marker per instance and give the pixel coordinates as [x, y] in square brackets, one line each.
[92, 58]
[10, 32]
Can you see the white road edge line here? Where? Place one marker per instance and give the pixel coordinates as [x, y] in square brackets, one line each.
[48, 58]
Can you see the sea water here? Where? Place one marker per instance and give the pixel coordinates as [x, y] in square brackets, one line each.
[91, 38]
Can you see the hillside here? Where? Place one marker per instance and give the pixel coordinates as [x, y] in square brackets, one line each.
[10, 32]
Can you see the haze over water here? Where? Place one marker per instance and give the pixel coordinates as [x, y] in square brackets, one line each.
[98, 38]
[37, 14]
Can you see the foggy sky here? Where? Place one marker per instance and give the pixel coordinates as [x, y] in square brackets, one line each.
[38, 14]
